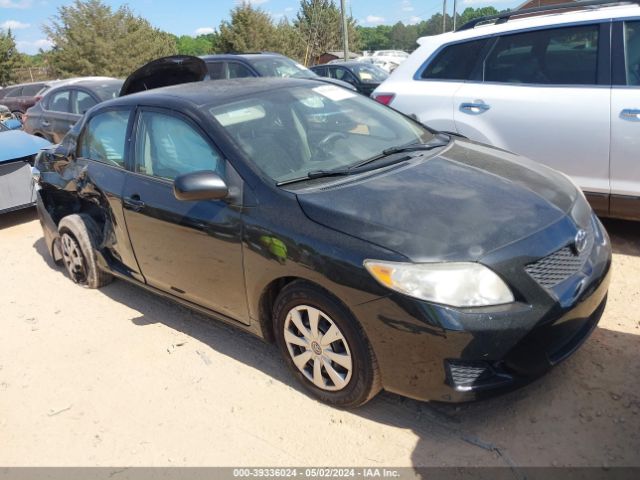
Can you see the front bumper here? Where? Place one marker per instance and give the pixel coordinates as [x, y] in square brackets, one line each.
[432, 352]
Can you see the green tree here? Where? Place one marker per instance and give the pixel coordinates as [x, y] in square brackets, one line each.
[10, 59]
[320, 26]
[289, 41]
[249, 30]
[200, 45]
[375, 38]
[90, 38]
[471, 13]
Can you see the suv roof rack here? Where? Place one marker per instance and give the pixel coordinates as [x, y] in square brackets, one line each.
[505, 16]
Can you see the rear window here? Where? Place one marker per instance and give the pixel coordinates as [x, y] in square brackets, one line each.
[559, 56]
[455, 62]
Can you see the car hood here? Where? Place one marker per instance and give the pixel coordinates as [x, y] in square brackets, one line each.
[460, 204]
[164, 72]
[18, 144]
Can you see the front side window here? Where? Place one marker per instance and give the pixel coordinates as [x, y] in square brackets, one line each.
[104, 139]
[632, 52]
[289, 132]
[167, 147]
[60, 101]
[82, 103]
[560, 56]
[455, 62]
[343, 74]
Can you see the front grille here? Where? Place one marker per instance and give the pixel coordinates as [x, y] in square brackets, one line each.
[561, 265]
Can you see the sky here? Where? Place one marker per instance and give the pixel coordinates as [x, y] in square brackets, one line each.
[191, 17]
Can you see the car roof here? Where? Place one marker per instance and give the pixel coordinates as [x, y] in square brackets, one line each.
[539, 20]
[240, 56]
[202, 93]
[88, 82]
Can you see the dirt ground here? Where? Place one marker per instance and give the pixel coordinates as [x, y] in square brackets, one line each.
[121, 377]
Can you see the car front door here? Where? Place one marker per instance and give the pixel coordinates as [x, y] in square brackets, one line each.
[545, 94]
[625, 121]
[190, 249]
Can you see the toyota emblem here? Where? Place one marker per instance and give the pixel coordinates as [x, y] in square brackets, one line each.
[580, 242]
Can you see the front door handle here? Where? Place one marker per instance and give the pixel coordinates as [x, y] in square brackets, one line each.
[133, 203]
[631, 114]
[46, 124]
[474, 108]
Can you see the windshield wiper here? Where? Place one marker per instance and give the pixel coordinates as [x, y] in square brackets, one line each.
[441, 140]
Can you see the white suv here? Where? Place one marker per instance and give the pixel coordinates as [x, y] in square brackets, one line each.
[562, 88]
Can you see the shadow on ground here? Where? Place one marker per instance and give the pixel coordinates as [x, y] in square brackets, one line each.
[585, 412]
[12, 219]
[625, 236]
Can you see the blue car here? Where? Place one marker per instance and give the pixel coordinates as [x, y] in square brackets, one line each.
[17, 154]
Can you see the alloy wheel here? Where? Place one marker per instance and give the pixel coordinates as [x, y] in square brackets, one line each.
[73, 258]
[318, 348]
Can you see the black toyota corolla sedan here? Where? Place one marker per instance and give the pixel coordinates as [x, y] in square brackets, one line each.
[376, 253]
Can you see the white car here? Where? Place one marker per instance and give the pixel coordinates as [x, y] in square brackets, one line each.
[559, 87]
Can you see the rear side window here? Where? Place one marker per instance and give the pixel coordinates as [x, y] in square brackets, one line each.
[216, 70]
[105, 137]
[237, 70]
[32, 90]
[455, 62]
[560, 56]
[632, 52]
[16, 92]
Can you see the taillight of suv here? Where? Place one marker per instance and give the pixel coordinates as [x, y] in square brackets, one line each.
[384, 98]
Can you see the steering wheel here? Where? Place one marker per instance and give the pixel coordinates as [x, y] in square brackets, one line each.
[328, 141]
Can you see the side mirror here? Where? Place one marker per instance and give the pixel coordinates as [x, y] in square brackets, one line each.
[203, 185]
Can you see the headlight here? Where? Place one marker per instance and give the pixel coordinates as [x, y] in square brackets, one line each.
[455, 284]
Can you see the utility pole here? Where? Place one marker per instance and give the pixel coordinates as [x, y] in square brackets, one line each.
[455, 5]
[345, 32]
[444, 16]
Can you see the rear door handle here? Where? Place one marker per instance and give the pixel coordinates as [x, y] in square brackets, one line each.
[133, 203]
[474, 108]
[46, 124]
[631, 114]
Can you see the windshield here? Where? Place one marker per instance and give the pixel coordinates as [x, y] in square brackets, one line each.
[280, 67]
[108, 91]
[290, 132]
[370, 73]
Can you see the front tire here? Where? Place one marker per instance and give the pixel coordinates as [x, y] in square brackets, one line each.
[78, 243]
[324, 346]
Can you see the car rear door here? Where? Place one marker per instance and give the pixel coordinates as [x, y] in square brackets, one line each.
[190, 249]
[625, 121]
[103, 149]
[428, 95]
[57, 116]
[545, 94]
